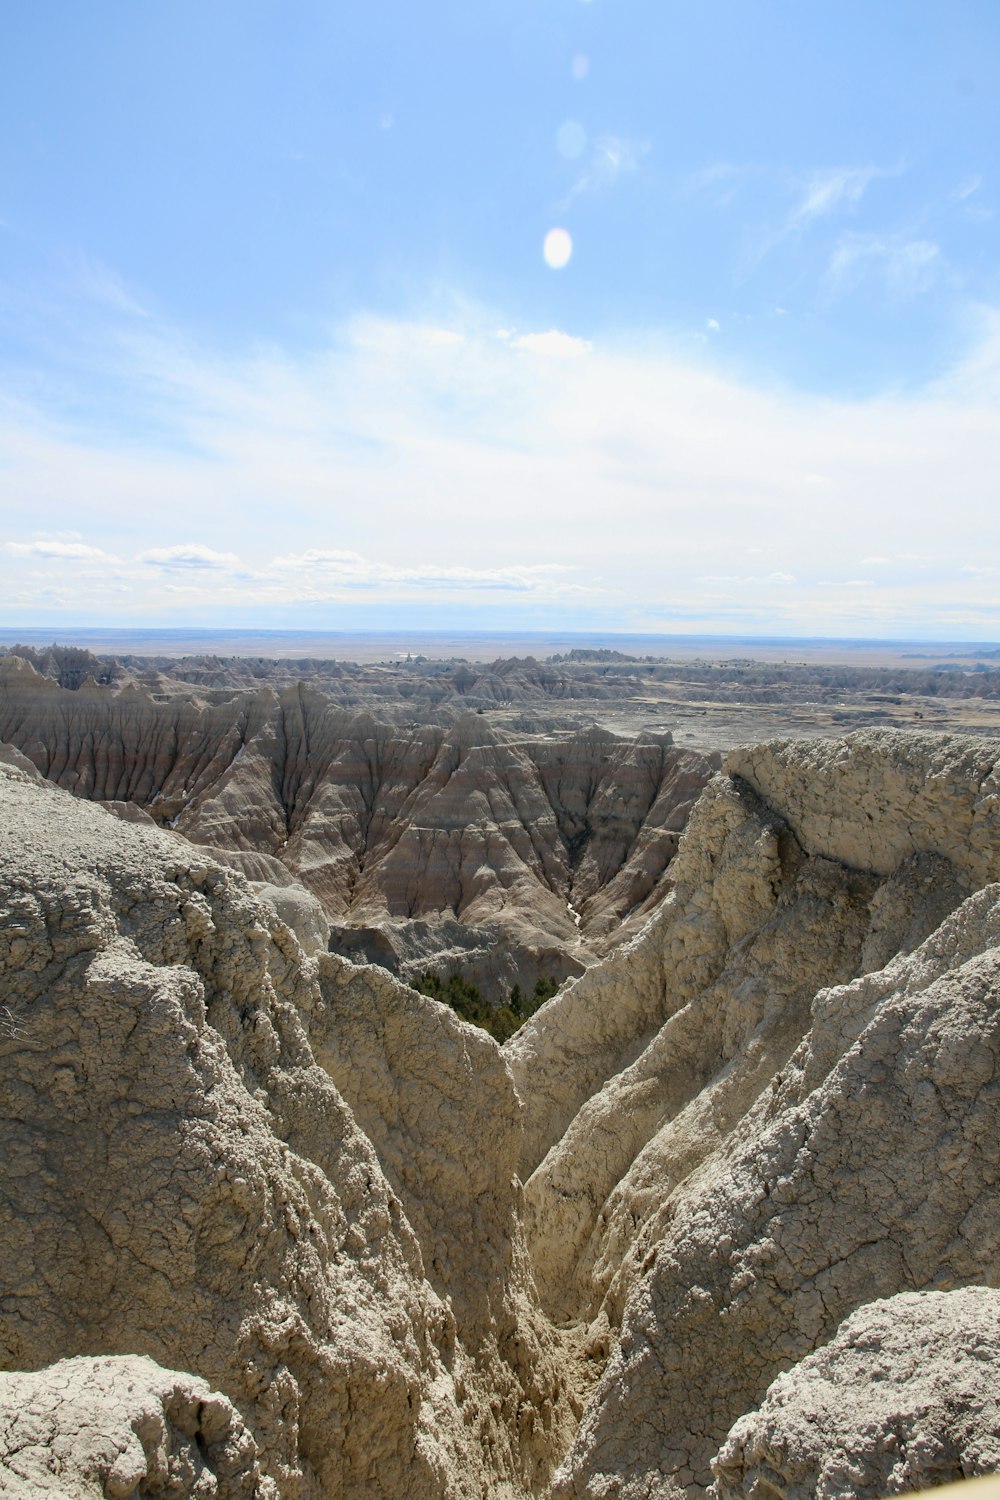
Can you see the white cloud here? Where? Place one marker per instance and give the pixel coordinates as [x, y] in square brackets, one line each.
[820, 196]
[101, 283]
[65, 551]
[968, 187]
[187, 555]
[719, 180]
[612, 157]
[975, 380]
[623, 489]
[744, 579]
[829, 191]
[553, 344]
[339, 569]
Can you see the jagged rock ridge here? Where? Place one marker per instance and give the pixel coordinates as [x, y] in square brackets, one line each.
[742, 1127]
[200, 1189]
[517, 857]
[759, 1140]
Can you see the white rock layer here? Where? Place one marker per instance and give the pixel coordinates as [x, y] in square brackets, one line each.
[904, 1397]
[115, 1427]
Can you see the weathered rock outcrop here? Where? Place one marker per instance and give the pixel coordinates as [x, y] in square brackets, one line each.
[298, 1179]
[522, 856]
[728, 1156]
[200, 1192]
[904, 1397]
[114, 1427]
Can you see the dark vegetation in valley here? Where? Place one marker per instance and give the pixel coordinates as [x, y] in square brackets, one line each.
[466, 1000]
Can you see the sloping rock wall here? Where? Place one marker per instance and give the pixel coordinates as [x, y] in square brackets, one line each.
[904, 1397]
[199, 1191]
[301, 1181]
[386, 825]
[727, 1155]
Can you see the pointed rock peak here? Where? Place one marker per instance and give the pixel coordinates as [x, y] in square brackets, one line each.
[18, 667]
[472, 730]
[594, 734]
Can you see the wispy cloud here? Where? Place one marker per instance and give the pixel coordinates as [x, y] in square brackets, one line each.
[554, 344]
[612, 157]
[908, 266]
[102, 284]
[340, 569]
[314, 575]
[830, 191]
[819, 198]
[391, 467]
[967, 194]
[187, 555]
[74, 550]
[718, 180]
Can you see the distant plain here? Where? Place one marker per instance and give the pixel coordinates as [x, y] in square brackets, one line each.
[751, 688]
[378, 645]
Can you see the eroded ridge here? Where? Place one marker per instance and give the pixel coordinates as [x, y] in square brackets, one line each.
[758, 1145]
[200, 1192]
[776, 1103]
[509, 857]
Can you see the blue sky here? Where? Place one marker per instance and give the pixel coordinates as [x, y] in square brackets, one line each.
[279, 344]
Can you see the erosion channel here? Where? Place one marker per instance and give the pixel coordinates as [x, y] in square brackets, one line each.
[723, 1215]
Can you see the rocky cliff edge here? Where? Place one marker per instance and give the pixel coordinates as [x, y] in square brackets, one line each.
[758, 1144]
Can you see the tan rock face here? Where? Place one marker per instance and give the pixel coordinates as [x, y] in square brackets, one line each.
[387, 825]
[299, 1180]
[903, 1397]
[199, 1191]
[876, 798]
[879, 1178]
[114, 1427]
[732, 1142]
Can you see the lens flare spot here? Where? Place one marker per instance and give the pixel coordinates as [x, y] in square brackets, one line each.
[558, 248]
[571, 138]
[580, 66]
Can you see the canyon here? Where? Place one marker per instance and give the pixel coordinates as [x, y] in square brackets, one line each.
[721, 1217]
[507, 856]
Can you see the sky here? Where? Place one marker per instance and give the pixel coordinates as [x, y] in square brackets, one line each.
[615, 315]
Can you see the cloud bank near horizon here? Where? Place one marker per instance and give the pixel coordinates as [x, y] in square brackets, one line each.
[464, 468]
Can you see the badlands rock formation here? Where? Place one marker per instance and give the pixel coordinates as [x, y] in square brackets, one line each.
[903, 1397]
[183, 1178]
[760, 1140]
[86, 1429]
[507, 858]
[743, 1126]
